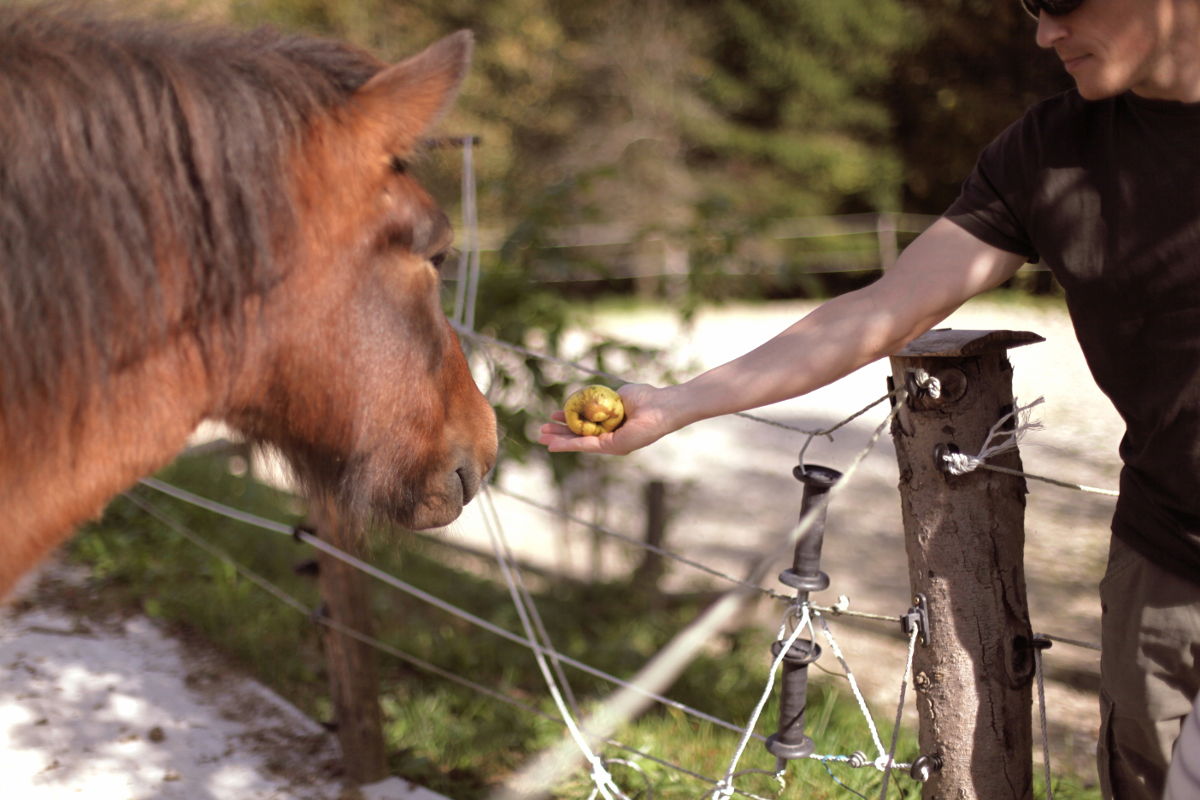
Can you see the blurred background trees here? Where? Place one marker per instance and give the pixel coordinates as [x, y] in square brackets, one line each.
[667, 141]
[674, 113]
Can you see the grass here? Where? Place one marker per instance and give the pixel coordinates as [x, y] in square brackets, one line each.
[452, 739]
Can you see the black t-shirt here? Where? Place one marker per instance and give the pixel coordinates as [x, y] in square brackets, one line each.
[1107, 195]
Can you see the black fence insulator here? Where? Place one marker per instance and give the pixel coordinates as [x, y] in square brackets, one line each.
[791, 741]
[805, 576]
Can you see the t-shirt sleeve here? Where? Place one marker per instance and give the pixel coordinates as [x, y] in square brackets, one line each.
[995, 197]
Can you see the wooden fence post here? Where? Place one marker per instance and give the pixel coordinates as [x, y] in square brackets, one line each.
[965, 536]
[650, 571]
[353, 672]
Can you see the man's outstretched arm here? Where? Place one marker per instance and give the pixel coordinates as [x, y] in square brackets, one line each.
[943, 268]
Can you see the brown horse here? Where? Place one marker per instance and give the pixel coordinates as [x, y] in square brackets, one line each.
[203, 224]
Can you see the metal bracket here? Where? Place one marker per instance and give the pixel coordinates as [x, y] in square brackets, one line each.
[917, 618]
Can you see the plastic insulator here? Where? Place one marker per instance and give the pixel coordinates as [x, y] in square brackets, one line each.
[814, 582]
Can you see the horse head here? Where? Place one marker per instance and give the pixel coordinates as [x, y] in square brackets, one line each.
[358, 377]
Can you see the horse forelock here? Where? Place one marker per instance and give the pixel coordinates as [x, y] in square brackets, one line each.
[144, 185]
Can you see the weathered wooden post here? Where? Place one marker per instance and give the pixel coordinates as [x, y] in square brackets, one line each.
[650, 571]
[353, 672]
[965, 538]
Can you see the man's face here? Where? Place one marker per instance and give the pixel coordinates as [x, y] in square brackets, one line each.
[1109, 46]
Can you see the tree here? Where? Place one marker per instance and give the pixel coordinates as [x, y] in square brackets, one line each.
[975, 72]
[797, 92]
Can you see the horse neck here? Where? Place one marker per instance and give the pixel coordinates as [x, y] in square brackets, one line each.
[50, 486]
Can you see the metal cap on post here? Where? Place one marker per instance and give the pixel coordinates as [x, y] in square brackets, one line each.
[805, 576]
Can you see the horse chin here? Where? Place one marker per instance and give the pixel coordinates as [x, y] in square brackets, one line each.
[441, 507]
[432, 513]
[427, 517]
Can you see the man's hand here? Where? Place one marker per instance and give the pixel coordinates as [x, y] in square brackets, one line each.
[647, 419]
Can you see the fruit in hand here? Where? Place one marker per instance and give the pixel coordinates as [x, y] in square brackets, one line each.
[594, 410]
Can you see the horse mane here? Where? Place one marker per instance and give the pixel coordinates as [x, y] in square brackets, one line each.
[125, 145]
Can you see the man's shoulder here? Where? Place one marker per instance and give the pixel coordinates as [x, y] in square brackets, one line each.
[1066, 111]
[1064, 108]
[1053, 125]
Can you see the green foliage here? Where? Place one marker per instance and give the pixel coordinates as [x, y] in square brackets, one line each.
[800, 89]
[702, 123]
[657, 112]
[698, 120]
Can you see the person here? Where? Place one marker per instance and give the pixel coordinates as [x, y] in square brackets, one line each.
[1102, 184]
[1183, 777]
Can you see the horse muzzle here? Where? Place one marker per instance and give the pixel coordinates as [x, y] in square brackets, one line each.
[445, 502]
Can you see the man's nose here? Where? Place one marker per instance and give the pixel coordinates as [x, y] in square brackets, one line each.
[1050, 30]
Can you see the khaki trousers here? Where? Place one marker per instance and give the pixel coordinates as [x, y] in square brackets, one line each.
[1150, 634]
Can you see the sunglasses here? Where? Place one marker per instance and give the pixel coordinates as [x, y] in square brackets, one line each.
[1054, 8]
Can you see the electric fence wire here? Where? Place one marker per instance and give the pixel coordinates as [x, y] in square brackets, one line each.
[1041, 693]
[257, 521]
[724, 789]
[890, 764]
[420, 594]
[280, 528]
[575, 365]
[426, 666]
[463, 321]
[531, 621]
[841, 609]
[543, 650]
[810, 434]
[664, 663]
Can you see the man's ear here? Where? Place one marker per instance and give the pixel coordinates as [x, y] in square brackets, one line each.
[397, 106]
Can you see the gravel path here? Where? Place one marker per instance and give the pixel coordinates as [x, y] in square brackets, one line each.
[117, 709]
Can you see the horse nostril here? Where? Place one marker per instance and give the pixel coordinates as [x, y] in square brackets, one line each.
[469, 481]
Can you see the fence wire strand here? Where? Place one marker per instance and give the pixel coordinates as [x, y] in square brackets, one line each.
[535, 638]
[426, 666]
[598, 373]
[420, 594]
[540, 649]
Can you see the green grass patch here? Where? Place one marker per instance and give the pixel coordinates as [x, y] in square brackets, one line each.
[449, 738]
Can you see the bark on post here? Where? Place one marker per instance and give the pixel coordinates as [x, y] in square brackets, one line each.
[965, 538]
[353, 672]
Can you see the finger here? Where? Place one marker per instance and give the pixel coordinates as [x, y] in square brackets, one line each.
[571, 444]
[558, 415]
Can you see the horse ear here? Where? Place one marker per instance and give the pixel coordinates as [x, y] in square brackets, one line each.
[404, 100]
